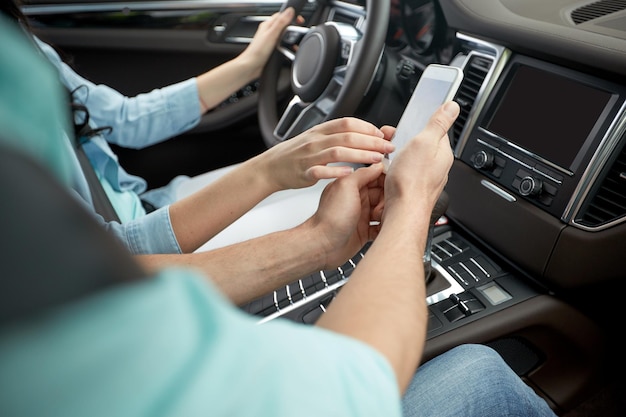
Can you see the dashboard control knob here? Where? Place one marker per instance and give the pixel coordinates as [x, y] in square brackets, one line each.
[530, 186]
[483, 160]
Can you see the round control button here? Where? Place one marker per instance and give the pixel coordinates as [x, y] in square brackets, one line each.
[483, 160]
[530, 186]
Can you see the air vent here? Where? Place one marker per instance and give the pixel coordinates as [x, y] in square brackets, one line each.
[475, 72]
[608, 202]
[598, 9]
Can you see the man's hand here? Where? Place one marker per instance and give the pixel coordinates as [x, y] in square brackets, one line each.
[343, 221]
[303, 160]
[384, 303]
[420, 170]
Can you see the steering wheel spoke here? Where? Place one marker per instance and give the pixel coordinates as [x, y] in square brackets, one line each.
[290, 41]
[287, 53]
[350, 37]
[297, 115]
[328, 100]
[300, 116]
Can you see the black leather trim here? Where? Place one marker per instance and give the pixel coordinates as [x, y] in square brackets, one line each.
[52, 250]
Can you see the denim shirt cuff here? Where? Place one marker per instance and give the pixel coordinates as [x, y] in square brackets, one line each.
[183, 102]
[152, 234]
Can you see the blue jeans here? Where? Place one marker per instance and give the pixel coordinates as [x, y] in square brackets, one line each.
[470, 380]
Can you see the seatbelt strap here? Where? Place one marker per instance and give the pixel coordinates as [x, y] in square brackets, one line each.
[101, 202]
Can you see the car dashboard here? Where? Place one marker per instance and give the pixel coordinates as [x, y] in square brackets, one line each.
[530, 245]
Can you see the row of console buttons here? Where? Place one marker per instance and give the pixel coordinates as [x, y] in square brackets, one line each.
[316, 285]
[527, 161]
[529, 184]
[458, 306]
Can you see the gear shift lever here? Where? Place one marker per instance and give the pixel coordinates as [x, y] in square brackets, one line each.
[440, 208]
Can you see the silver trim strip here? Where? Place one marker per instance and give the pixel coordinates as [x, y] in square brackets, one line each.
[147, 5]
[308, 299]
[458, 276]
[475, 262]
[501, 56]
[354, 8]
[525, 152]
[454, 288]
[600, 158]
[514, 159]
[469, 271]
[499, 191]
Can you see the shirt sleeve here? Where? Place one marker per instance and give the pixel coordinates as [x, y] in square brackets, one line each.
[139, 121]
[173, 346]
[147, 234]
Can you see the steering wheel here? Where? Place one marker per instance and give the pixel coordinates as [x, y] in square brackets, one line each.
[331, 70]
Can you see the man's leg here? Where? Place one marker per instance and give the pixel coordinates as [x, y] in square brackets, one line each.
[470, 380]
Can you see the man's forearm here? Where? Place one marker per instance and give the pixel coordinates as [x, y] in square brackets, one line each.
[250, 269]
[384, 305]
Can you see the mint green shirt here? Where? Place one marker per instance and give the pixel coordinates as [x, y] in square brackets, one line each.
[127, 204]
[171, 346]
[32, 121]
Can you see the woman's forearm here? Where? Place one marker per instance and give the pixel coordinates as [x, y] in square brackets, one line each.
[199, 217]
[218, 84]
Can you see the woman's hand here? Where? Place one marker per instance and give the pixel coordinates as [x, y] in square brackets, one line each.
[215, 85]
[319, 153]
[265, 41]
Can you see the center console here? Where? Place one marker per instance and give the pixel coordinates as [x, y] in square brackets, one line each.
[465, 286]
[540, 130]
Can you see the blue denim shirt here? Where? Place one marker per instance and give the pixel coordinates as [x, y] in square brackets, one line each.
[136, 122]
[151, 233]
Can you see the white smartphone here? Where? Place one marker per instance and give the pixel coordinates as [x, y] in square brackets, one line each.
[437, 85]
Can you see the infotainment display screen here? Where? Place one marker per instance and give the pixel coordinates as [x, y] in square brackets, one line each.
[547, 114]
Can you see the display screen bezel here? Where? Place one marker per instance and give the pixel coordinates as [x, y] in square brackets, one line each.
[571, 164]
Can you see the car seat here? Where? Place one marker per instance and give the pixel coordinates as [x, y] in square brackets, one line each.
[53, 250]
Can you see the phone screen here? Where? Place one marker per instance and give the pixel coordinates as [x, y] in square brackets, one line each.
[437, 85]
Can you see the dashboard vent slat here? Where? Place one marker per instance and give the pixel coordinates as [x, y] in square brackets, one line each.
[475, 72]
[608, 202]
[597, 9]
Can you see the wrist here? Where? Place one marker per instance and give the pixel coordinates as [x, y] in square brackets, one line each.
[247, 67]
[260, 172]
[318, 246]
[403, 216]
